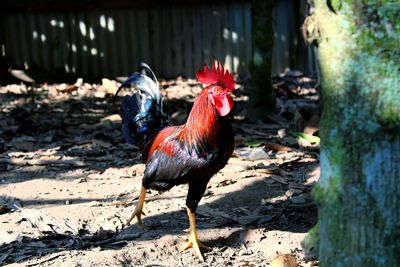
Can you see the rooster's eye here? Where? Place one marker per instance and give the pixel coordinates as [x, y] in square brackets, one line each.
[217, 90]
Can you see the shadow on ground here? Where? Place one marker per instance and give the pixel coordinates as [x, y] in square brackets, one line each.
[283, 216]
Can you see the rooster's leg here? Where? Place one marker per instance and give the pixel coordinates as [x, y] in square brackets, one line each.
[193, 239]
[139, 207]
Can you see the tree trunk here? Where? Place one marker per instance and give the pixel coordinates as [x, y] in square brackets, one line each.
[359, 189]
[262, 97]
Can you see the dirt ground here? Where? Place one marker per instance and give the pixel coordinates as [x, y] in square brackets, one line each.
[65, 173]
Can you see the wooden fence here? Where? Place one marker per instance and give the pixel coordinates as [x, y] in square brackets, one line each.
[174, 39]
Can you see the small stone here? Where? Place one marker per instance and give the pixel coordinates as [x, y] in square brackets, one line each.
[257, 154]
[282, 133]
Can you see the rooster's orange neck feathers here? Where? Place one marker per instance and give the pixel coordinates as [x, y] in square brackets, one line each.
[202, 123]
[202, 128]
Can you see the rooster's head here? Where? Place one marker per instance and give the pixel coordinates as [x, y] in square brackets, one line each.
[220, 84]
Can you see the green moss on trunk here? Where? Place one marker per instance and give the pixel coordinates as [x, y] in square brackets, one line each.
[262, 96]
[358, 193]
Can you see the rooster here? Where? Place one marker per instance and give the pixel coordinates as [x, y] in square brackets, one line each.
[186, 154]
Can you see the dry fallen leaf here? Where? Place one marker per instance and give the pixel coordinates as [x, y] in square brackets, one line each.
[113, 118]
[226, 182]
[285, 260]
[50, 157]
[277, 147]
[279, 179]
[109, 86]
[73, 140]
[64, 88]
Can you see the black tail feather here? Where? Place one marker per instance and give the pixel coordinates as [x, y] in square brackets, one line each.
[146, 70]
[142, 113]
[128, 110]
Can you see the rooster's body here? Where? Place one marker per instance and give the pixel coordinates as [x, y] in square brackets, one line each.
[190, 153]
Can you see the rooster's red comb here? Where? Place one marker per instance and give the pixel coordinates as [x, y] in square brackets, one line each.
[217, 75]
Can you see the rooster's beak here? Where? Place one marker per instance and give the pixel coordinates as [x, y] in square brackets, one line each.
[231, 94]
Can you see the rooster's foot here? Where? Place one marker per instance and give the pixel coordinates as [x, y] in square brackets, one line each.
[197, 245]
[138, 215]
